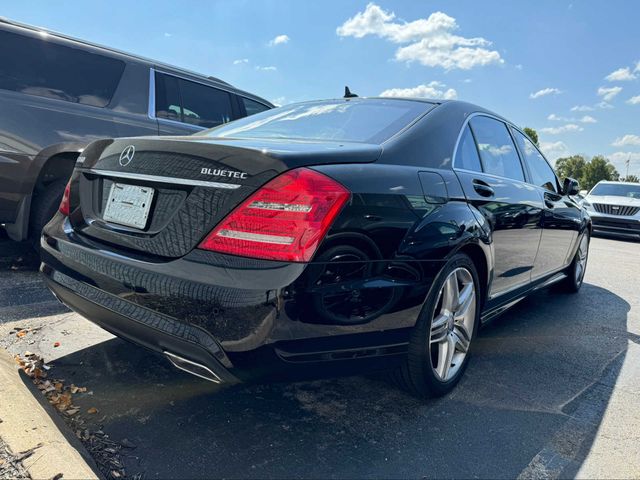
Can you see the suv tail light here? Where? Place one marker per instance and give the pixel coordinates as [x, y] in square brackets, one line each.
[284, 220]
[65, 207]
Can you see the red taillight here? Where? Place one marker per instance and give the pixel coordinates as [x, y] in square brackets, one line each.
[284, 220]
[65, 207]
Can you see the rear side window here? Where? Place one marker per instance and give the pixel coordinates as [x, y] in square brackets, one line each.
[467, 155]
[253, 107]
[541, 173]
[497, 151]
[39, 67]
[191, 102]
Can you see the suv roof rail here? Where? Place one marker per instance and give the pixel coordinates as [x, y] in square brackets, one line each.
[64, 36]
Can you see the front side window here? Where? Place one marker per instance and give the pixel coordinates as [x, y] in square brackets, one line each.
[36, 66]
[252, 107]
[541, 173]
[497, 151]
[191, 102]
[354, 120]
[467, 154]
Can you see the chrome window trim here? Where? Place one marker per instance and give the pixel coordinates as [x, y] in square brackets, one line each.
[152, 94]
[159, 178]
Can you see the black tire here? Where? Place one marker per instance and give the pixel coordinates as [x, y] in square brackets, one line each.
[417, 375]
[44, 207]
[575, 278]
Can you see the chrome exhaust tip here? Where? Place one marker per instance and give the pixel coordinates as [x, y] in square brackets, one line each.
[192, 367]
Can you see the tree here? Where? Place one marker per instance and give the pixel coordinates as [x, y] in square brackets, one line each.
[572, 167]
[533, 135]
[596, 170]
[630, 178]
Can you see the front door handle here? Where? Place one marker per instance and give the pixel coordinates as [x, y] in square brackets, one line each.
[483, 189]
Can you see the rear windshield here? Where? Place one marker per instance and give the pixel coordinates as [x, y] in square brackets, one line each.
[620, 190]
[356, 120]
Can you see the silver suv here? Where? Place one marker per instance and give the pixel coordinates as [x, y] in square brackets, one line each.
[614, 208]
[58, 94]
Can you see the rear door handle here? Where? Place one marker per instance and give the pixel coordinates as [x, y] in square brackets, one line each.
[483, 189]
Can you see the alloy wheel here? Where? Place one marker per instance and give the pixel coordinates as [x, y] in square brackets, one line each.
[581, 258]
[452, 324]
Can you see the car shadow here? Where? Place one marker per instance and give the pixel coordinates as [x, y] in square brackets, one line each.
[540, 380]
[22, 291]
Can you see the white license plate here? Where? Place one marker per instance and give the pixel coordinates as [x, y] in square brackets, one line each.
[128, 205]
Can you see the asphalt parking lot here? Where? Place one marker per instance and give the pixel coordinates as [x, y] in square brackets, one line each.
[553, 390]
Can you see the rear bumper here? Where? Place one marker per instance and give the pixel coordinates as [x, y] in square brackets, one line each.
[615, 225]
[240, 318]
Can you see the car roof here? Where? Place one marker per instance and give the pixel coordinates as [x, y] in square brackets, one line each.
[161, 65]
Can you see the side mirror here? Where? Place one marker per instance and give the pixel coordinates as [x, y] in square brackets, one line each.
[571, 186]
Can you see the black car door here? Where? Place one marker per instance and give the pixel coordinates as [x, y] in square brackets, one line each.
[491, 173]
[562, 217]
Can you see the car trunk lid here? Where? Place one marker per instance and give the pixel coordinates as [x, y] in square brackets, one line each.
[179, 188]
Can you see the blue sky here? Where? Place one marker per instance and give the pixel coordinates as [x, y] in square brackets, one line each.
[494, 53]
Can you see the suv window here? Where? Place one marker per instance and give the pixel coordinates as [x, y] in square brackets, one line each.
[39, 67]
[251, 106]
[541, 173]
[497, 151]
[467, 155]
[191, 102]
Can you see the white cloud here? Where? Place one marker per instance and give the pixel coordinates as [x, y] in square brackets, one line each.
[429, 41]
[544, 92]
[621, 75]
[637, 69]
[609, 93]
[554, 150]
[628, 139]
[269, 68]
[279, 40]
[604, 105]
[519, 66]
[241, 61]
[434, 90]
[619, 160]
[569, 127]
[582, 108]
[556, 118]
[467, 80]
[584, 119]
[634, 100]
[278, 102]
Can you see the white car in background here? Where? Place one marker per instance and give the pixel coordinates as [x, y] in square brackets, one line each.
[614, 208]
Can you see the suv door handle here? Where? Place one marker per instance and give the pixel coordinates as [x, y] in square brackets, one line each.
[483, 189]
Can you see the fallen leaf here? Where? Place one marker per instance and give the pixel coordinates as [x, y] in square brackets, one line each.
[92, 410]
[56, 344]
[72, 411]
[127, 444]
[21, 333]
[58, 386]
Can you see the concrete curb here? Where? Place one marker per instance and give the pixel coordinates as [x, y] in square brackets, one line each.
[29, 422]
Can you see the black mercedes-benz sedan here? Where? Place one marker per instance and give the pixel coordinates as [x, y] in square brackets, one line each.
[322, 237]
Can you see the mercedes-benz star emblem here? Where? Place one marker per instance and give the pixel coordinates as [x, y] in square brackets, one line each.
[127, 155]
